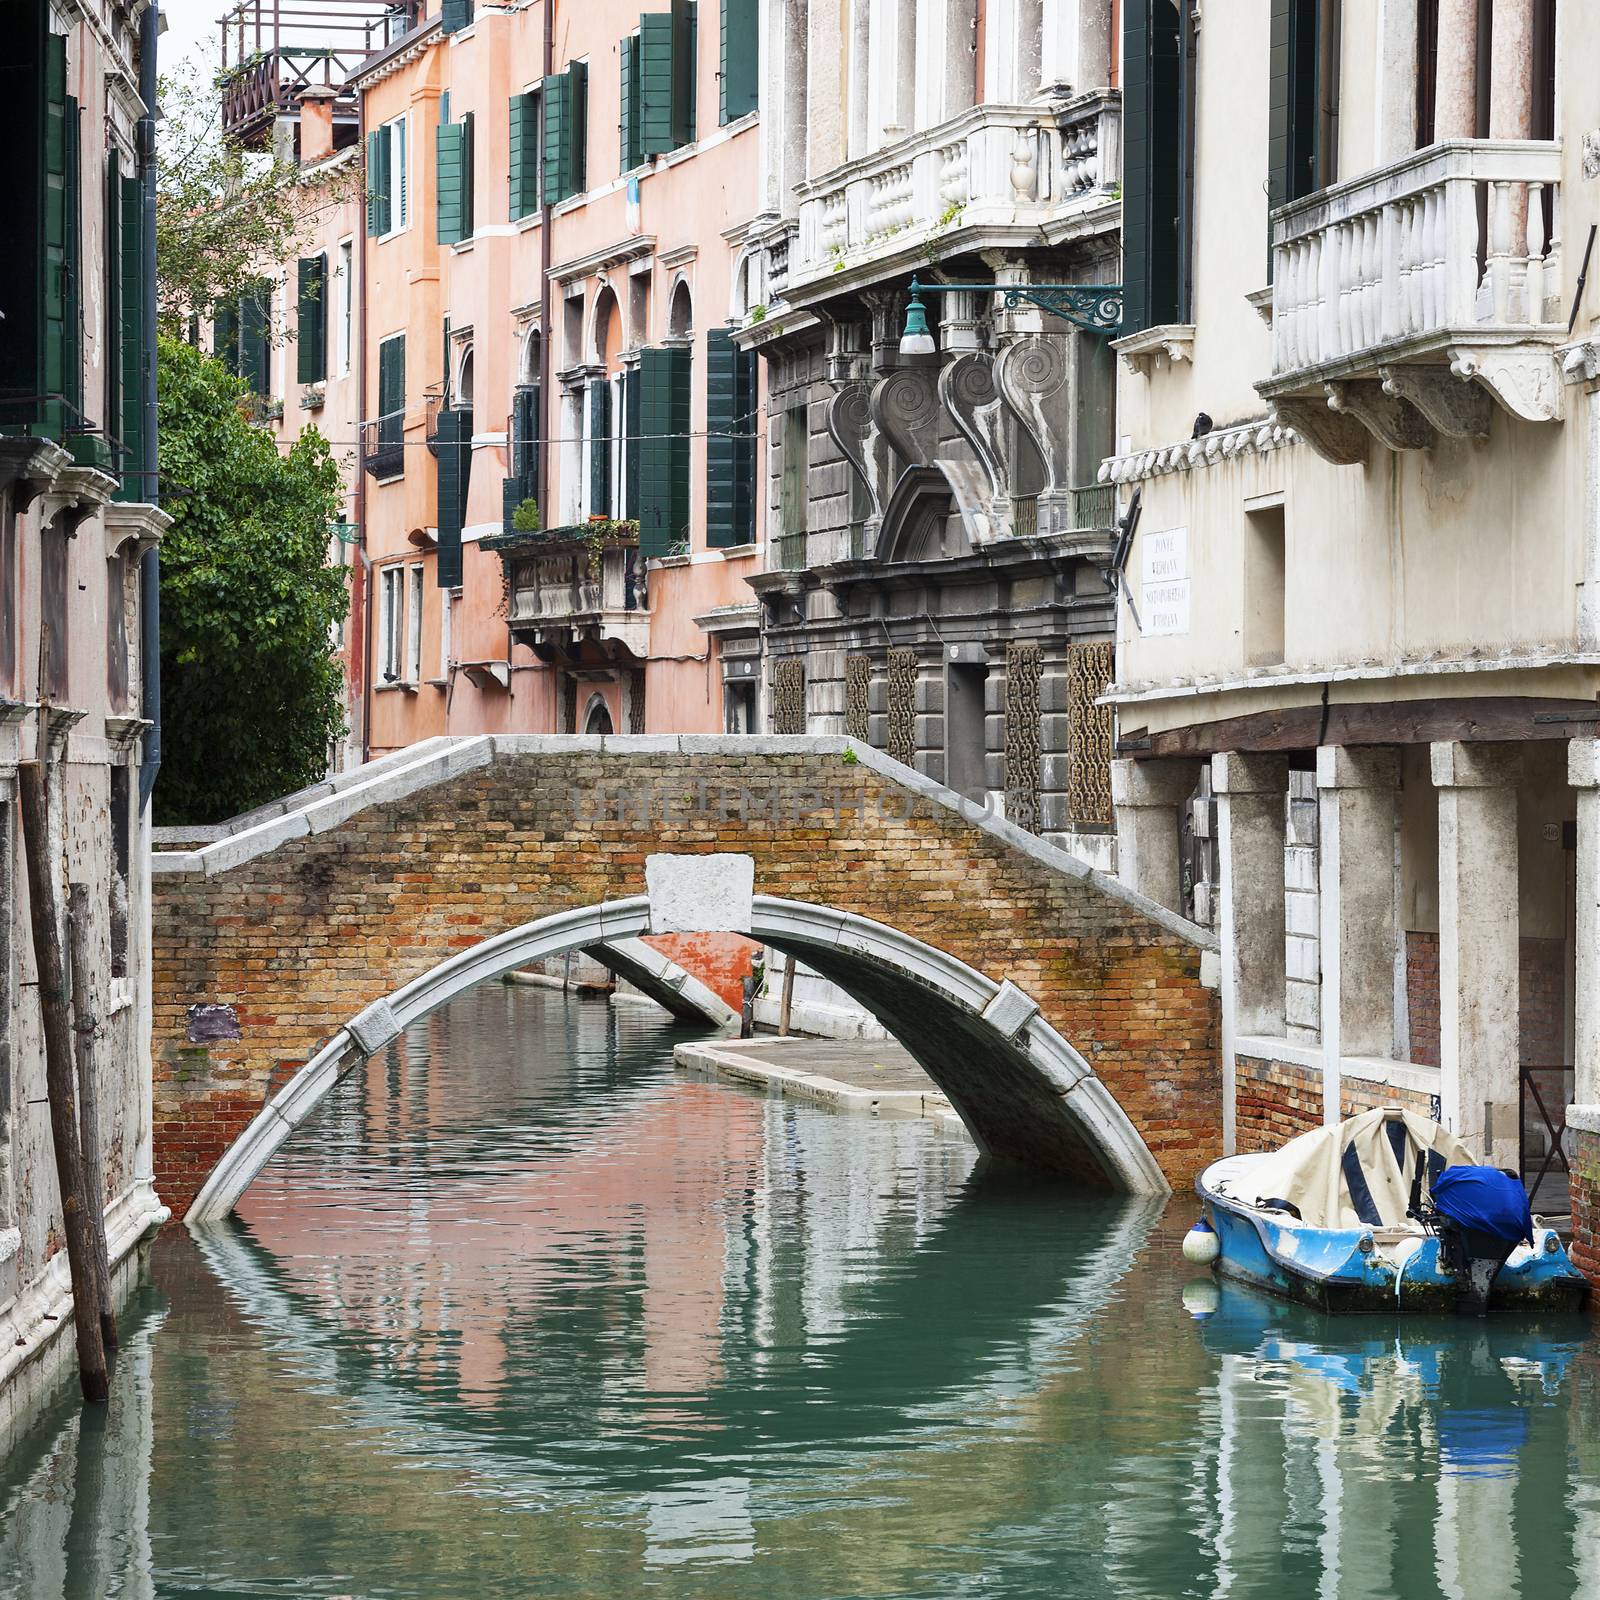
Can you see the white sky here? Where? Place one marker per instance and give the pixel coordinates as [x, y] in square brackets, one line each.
[190, 23]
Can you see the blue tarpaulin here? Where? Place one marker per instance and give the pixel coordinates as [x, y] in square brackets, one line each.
[1486, 1199]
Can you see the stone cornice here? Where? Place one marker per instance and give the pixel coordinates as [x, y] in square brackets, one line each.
[1222, 444]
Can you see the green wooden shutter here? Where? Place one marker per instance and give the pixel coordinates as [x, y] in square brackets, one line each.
[378, 209]
[50, 380]
[392, 376]
[255, 336]
[72, 350]
[685, 41]
[557, 95]
[311, 319]
[663, 449]
[1152, 164]
[454, 443]
[630, 442]
[524, 155]
[578, 72]
[746, 392]
[133, 354]
[1291, 103]
[629, 116]
[599, 447]
[111, 323]
[469, 220]
[225, 334]
[740, 60]
[451, 181]
[454, 15]
[722, 426]
[656, 121]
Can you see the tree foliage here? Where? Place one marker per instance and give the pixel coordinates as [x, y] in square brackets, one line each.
[224, 214]
[251, 684]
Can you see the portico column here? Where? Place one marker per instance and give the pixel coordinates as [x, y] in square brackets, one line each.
[1583, 773]
[1250, 791]
[1356, 815]
[1479, 1048]
[1510, 70]
[1147, 797]
[1455, 98]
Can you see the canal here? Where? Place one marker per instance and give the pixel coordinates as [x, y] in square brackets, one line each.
[524, 1312]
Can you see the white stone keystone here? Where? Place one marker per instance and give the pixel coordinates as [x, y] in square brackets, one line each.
[700, 894]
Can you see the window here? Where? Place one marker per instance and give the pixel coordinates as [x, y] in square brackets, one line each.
[391, 622]
[740, 64]
[8, 589]
[121, 866]
[452, 441]
[1264, 588]
[117, 631]
[730, 442]
[386, 456]
[454, 210]
[1156, 162]
[524, 154]
[132, 355]
[347, 305]
[662, 442]
[1303, 105]
[388, 196]
[792, 491]
[413, 670]
[241, 336]
[565, 99]
[658, 84]
[454, 15]
[311, 319]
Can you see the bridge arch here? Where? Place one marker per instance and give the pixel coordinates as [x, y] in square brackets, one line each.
[1020, 1088]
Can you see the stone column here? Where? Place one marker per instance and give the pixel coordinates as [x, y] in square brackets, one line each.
[1356, 817]
[1479, 1047]
[946, 77]
[1397, 80]
[1510, 70]
[827, 111]
[1583, 773]
[1148, 797]
[1250, 792]
[1455, 99]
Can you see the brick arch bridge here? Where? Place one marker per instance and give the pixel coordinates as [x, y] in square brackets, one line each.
[1070, 1021]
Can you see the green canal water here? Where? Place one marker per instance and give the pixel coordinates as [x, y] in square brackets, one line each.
[524, 1313]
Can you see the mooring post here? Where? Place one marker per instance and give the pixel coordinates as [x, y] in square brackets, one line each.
[44, 910]
[85, 1022]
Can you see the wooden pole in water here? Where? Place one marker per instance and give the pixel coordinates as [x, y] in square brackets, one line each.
[788, 996]
[44, 912]
[85, 1020]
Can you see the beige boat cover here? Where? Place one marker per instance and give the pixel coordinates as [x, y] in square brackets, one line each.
[1309, 1171]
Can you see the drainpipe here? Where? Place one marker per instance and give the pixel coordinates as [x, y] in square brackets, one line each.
[544, 281]
[150, 562]
[361, 607]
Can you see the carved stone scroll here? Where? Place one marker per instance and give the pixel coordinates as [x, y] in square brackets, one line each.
[1333, 435]
[1032, 378]
[849, 424]
[967, 388]
[1525, 382]
[1390, 420]
[1459, 409]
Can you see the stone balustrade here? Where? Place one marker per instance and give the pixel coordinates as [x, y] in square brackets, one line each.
[1007, 167]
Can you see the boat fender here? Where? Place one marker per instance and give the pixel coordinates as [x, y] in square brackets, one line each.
[1201, 1245]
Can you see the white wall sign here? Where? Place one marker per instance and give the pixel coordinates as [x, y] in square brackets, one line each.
[1166, 608]
[1165, 556]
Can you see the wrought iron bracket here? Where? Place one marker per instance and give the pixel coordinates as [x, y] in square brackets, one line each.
[1095, 307]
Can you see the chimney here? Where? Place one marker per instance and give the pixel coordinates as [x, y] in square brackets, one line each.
[316, 123]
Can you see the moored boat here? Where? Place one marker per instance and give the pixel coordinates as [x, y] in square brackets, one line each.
[1384, 1212]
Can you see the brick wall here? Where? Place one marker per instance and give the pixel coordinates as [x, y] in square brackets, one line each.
[1275, 1101]
[1422, 996]
[299, 940]
[1583, 1150]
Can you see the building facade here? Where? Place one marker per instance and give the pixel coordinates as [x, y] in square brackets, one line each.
[76, 664]
[559, 436]
[1357, 661]
[935, 580]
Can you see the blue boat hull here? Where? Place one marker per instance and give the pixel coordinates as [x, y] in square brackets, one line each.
[1327, 1268]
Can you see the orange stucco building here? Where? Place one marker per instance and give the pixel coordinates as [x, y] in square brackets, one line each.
[550, 259]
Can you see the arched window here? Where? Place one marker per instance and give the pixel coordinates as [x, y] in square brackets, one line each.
[680, 314]
[597, 716]
[464, 380]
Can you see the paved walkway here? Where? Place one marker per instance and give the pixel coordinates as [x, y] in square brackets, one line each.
[868, 1077]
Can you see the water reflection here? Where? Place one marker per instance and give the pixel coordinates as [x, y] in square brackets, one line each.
[523, 1312]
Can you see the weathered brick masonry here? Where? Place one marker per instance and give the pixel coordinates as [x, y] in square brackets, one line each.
[1276, 1101]
[300, 939]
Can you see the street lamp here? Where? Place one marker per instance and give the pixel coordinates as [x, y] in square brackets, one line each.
[1095, 307]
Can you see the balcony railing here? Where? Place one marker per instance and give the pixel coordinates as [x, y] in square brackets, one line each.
[570, 581]
[383, 446]
[1459, 240]
[1010, 169]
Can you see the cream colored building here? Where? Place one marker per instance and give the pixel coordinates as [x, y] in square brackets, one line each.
[1359, 646]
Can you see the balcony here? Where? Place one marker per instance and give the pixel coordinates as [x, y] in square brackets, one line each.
[996, 175]
[383, 446]
[1408, 302]
[272, 52]
[567, 587]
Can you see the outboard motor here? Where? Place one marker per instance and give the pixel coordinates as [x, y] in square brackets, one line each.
[1482, 1215]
